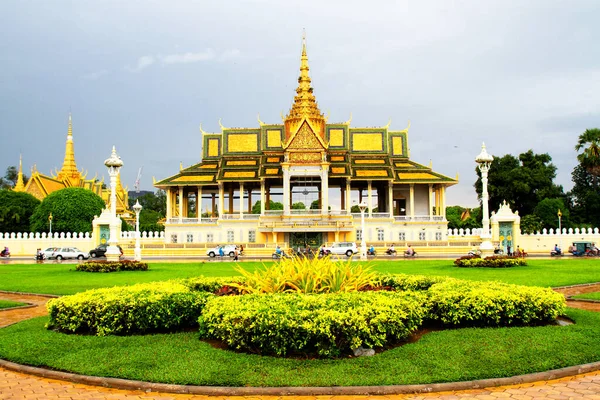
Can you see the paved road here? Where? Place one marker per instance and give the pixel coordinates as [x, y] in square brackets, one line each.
[14, 385]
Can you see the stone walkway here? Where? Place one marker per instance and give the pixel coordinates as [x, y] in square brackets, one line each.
[15, 385]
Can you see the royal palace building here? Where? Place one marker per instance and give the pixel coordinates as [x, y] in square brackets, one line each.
[302, 182]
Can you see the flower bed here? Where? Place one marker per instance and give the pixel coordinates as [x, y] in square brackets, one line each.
[112, 266]
[489, 262]
[328, 324]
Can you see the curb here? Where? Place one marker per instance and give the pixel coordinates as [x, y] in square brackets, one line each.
[125, 384]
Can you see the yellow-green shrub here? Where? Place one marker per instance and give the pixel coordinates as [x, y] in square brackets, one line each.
[489, 262]
[308, 275]
[325, 324]
[410, 282]
[145, 307]
[112, 266]
[466, 303]
[210, 284]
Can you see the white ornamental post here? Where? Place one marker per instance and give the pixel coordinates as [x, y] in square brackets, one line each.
[363, 244]
[137, 254]
[484, 161]
[114, 164]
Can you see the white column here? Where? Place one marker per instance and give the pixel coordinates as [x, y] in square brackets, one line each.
[324, 191]
[391, 198]
[431, 202]
[348, 202]
[169, 205]
[221, 199]
[241, 200]
[286, 189]
[412, 201]
[443, 201]
[370, 197]
[263, 197]
[180, 197]
[199, 204]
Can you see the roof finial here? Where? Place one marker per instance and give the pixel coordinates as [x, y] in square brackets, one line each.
[69, 167]
[19, 186]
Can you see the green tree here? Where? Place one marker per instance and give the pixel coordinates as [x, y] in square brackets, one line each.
[531, 224]
[273, 205]
[15, 210]
[460, 217]
[547, 212]
[72, 209]
[523, 182]
[298, 206]
[584, 197]
[152, 201]
[10, 178]
[589, 142]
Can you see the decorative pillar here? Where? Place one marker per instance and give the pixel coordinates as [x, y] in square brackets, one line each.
[484, 161]
[412, 201]
[180, 198]
[443, 202]
[241, 200]
[213, 204]
[137, 253]
[250, 200]
[221, 209]
[342, 198]
[348, 196]
[169, 205]
[286, 189]
[391, 198]
[199, 204]
[263, 197]
[370, 197]
[363, 243]
[230, 198]
[324, 192]
[114, 164]
[431, 202]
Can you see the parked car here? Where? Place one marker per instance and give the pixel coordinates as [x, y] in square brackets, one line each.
[67, 253]
[228, 250]
[100, 251]
[48, 252]
[347, 248]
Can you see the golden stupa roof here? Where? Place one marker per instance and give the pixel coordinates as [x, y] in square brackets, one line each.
[305, 104]
[20, 186]
[69, 169]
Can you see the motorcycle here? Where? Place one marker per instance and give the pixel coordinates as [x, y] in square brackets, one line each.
[277, 256]
[474, 252]
[371, 253]
[555, 253]
[5, 253]
[390, 252]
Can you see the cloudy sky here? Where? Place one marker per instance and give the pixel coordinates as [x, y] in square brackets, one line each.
[143, 75]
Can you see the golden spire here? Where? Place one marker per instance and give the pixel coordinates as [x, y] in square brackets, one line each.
[69, 168]
[305, 105]
[20, 187]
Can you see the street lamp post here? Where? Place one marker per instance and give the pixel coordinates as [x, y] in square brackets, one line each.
[559, 230]
[114, 164]
[484, 161]
[363, 245]
[137, 254]
[50, 219]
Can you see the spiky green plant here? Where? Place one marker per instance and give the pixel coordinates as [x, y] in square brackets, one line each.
[304, 275]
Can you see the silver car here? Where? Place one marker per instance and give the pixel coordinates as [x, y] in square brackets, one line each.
[65, 253]
[347, 248]
[228, 250]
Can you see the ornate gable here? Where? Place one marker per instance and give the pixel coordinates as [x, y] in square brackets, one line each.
[305, 139]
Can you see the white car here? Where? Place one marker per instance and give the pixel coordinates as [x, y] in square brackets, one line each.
[65, 253]
[347, 248]
[228, 250]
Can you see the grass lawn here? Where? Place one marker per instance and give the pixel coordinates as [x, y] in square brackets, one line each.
[442, 356]
[62, 279]
[588, 296]
[10, 304]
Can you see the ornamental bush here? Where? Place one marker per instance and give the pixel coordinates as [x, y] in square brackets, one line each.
[327, 324]
[489, 262]
[308, 275]
[210, 284]
[464, 303]
[403, 282]
[112, 266]
[145, 307]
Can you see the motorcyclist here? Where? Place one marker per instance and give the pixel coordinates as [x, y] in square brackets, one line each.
[371, 251]
[557, 250]
[5, 252]
[391, 251]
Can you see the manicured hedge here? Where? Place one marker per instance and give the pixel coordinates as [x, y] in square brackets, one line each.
[464, 303]
[489, 262]
[112, 266]
[210, 284]
[325, 324]
[402, 282]
[145, 307]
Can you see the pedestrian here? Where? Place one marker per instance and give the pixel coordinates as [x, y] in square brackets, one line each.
[236, 252]
[221, 252]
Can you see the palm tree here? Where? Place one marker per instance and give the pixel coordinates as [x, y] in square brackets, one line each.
[589, 141]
